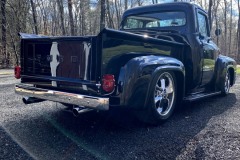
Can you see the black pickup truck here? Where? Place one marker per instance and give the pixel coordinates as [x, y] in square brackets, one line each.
[162, 55]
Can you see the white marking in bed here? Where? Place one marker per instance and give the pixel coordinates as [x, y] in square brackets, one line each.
[54, 63]
[87, 47]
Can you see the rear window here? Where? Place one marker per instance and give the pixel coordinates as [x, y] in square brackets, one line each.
[156, 20]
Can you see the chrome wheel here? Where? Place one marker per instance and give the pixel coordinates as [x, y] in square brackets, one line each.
[161, 99]
[164, 94]
[227, 82]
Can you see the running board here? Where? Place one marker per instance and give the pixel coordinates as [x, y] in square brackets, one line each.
[199, 96]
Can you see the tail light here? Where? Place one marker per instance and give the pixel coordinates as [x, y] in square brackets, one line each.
[108, 82]
[17, 72]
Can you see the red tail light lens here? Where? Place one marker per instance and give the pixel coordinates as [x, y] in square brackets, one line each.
[108, 82]
[17, 72]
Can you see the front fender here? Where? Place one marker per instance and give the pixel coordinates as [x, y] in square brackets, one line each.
[136, 76]
[223, 64]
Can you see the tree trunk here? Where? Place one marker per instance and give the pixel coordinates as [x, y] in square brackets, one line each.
[225, 27]
[117, 13]
[215, 15]
[13, 45]
[210, 14]
[71, 17]
[4, 34]
[139, 2]
[34, 16]
[125, 4]
[102, 19]
[110, 18]
[238, 33]
[61, 13]
[230, 31]
[44, 16]
[155, 1]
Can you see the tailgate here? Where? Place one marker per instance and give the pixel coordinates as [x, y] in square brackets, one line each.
[63, 62]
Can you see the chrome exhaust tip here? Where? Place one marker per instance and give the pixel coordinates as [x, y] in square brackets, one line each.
[78, 110]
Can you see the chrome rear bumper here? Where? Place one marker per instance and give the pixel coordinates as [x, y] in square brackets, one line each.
[98, 103]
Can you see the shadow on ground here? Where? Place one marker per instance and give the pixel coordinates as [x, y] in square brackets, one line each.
[116, 134]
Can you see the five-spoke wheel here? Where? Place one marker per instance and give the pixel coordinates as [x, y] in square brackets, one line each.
[164, 94]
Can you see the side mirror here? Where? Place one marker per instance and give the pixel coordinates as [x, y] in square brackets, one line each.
[218, 32]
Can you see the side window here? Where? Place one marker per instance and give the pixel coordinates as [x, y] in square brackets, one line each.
[152, 24]
[202, 25]
[133, 23]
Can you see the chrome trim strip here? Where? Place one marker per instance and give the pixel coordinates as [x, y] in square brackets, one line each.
[98, 103]
[60, 79]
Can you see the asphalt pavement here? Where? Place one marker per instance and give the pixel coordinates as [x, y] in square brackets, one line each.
[206, 129]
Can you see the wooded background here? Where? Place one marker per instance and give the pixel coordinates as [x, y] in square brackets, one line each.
[88, 17]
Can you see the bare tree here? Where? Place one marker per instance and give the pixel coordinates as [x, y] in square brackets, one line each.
[238, 32]
[117, 8]
[34, 16]
[225, 27]
[71, 17]
[110, 16]
[4, 33]
[61, 13]
[154, 1]
[139, 2]
[125, 4]
[230, 30]
[210, 13]
[215, 11]
[85, 18]
[102, 19]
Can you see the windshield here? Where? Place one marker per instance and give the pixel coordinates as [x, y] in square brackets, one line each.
[155, 20]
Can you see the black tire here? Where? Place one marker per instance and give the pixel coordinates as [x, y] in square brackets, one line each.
[225, 84]
[157, 111]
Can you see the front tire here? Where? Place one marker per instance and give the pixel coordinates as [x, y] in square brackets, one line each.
[161, 100]
[225, 84]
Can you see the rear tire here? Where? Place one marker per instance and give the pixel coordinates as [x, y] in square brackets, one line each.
[161, 100]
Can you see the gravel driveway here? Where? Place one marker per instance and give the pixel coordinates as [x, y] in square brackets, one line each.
[208, 129]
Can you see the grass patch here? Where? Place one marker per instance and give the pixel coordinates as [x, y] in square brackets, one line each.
[5, 73]
[238, 70]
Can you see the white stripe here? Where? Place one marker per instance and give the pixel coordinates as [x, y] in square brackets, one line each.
[54, 63]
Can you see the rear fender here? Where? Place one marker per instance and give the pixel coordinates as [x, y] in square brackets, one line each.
[136, 76]
[223, 64]
[180, 80]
